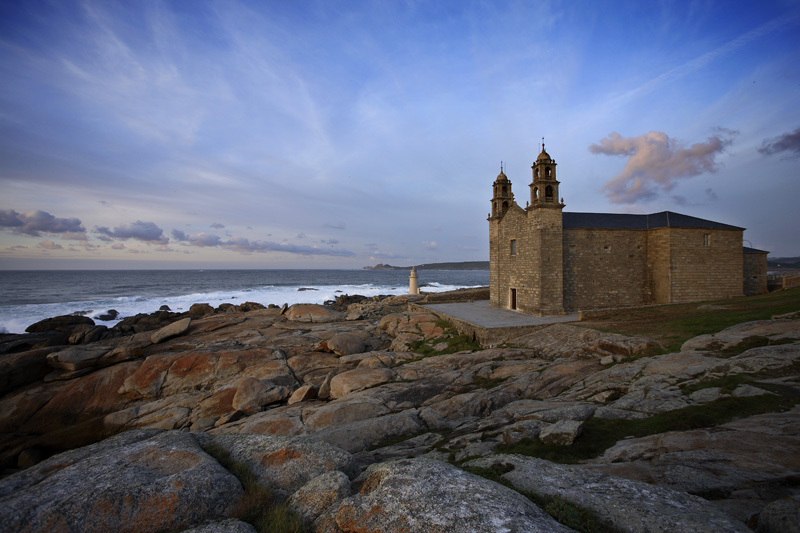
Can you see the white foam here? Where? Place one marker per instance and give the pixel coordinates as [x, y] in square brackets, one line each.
[14, 319]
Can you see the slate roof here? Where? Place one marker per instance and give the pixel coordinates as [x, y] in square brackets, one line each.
[748, 250]
[664, 219]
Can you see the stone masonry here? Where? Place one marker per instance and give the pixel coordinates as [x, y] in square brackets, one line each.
[547, 262]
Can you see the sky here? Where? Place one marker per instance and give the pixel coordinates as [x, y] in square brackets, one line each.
[340, 134]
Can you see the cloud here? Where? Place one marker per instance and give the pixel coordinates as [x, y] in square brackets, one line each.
[34, 223]
[217, 225]
[338, 225]
[141, 231]
[201, 240]
[788, 142]
[118, 246]
[432, 245]
[246, 246]
[657, 162]
[49, 245]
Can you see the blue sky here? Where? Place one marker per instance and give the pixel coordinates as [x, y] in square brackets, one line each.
[335, 134]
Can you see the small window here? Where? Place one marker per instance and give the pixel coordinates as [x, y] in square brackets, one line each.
[707, 239]
[607, 248]
[513, 246]
[547, 172]
[537, 172]
[548, 193]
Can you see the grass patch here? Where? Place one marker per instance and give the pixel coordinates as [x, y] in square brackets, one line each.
[566, 513]
[672, 325]
[456, 343]
[600, 434]
[257, 505]
[727, 384]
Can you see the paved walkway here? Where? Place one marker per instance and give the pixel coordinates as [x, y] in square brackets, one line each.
[481, 314]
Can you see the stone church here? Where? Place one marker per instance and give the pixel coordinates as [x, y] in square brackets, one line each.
[544, 261]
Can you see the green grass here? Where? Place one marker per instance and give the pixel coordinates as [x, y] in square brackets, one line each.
[600, 434]
[568, 514]
[257, 505]
[672, 325]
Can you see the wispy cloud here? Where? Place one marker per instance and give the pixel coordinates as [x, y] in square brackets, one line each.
[704, 60]
[246, 246]
[657, 162]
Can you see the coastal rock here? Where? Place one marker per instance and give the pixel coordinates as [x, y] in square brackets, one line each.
[423, 495]
[200, 310]
[359, 379]
[20, 369]
[362, 434]
[734, 335]
[306, 392]
[178, 327]
[60, 323]
[111, 314]
[252, 394]
[750, 460]
[77, 358]
[313, 313]
[284, 464]
[315, 497]
[624, 504]
[138, 481]
[231, 525]
[781, 516]
[342, 344]
[562, 433]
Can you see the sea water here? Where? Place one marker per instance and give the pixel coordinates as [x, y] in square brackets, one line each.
[29, 296]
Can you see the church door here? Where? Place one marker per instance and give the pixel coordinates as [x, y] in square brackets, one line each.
[513, 298]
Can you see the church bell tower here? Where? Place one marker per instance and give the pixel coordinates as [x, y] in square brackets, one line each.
[502, 197]
[544, 188]
[545, 224]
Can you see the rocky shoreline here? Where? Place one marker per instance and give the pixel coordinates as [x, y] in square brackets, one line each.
[365, 416]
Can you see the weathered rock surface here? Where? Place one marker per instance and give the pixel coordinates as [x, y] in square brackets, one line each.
[248, 370]
[138, 481]
[423, 495]
[284, 464]
[312, 313]
[740, 465]
[178, 327]
[626, 505]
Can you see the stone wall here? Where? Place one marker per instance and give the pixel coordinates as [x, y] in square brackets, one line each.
[755, 273]
[705, 264]
[605, 268]
[527, 275]
[658, 265]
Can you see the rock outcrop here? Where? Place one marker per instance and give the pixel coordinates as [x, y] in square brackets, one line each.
[271, 385]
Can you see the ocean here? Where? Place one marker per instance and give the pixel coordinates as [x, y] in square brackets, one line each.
[29, 296]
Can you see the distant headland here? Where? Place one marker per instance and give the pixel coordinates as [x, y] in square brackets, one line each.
[463, 265]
